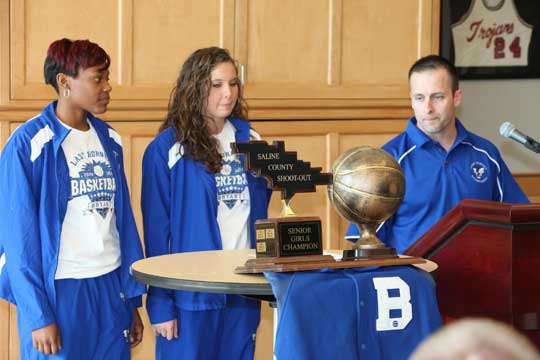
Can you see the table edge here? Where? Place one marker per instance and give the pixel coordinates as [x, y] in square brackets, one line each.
[202, 286]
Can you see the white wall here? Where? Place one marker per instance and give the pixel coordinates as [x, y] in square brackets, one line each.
[488, 103]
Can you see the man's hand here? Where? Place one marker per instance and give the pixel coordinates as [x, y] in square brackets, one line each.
[167, 329]
[136, 334]
[47, 339]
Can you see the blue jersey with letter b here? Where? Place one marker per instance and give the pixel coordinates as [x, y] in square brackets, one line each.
[360, 313]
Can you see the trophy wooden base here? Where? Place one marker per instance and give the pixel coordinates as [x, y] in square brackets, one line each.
[370, 253]
[304, 263]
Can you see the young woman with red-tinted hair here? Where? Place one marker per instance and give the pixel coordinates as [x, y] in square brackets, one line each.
[72, 237]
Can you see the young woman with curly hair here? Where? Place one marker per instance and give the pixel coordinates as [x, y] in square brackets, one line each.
[196, 196]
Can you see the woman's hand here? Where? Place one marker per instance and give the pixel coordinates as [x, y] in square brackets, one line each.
[137, 328]
[167, 329]
[47, 339]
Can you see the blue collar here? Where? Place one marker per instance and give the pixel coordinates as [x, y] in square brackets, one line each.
[241, 128]
[420, 139]
[60, 131]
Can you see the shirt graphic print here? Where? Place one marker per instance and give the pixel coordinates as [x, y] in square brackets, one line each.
[232, 194]
[89, 241]
[95, 181]
[231, 182]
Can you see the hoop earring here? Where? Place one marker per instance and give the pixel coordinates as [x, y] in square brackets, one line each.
[67, 92]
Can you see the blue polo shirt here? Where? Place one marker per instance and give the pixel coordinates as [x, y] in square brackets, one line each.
[436, 181]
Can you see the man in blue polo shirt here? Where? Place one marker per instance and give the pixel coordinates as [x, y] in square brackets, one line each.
[443, 163]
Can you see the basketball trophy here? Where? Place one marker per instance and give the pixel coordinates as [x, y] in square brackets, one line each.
[368, 187]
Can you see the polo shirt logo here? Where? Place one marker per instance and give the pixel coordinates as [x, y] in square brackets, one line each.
[479, 172]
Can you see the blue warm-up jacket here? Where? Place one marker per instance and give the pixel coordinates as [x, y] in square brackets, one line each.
[34, 189]
[179, 205]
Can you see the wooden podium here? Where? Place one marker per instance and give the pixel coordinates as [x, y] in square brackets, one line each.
[489, 263]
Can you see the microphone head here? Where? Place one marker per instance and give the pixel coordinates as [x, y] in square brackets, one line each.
[506, 129]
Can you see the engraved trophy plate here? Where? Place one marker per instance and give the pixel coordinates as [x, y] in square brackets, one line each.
[294, 236]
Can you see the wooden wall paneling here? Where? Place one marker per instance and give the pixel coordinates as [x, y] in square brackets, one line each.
[530, 183]
[335, 37]
[332, 217]
[289, 74]
[124, 63]
[139, 146]
[178, 36]
[139, 134]
[227, 24]
[344, 127]
[142, 68]
[34, 26]
[127, 149]
[344, 49]
[4, 52]
[4, 133]
[240, 36]
[146, 349]
[14, 351]
[428, 27]
[351, 71]
[4, 330]
[377, 51]
[309, 109]
[156, 64]
[264, 345]
[339, 51]
[285, 58]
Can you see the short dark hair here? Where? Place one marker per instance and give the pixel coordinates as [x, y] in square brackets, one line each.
[69, 56]
[433, 62]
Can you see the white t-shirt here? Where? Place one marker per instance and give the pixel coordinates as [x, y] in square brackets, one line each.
[233, 194]
[89, 241]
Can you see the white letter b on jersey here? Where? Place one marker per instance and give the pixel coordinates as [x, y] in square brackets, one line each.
[401, 302]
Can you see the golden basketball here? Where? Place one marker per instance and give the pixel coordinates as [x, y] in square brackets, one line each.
[368, 185]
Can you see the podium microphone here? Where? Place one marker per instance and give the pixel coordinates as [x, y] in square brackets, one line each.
[508, 130]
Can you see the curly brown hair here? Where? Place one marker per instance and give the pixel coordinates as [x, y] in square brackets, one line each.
[188, 102]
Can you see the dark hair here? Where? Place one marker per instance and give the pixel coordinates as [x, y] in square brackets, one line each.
[433, 62]
[188, 102]
[68, 57]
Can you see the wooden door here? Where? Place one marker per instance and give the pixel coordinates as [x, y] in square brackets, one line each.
[332, 49]
[147, 40]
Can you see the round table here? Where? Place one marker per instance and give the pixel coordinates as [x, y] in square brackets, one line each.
[213, 271]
